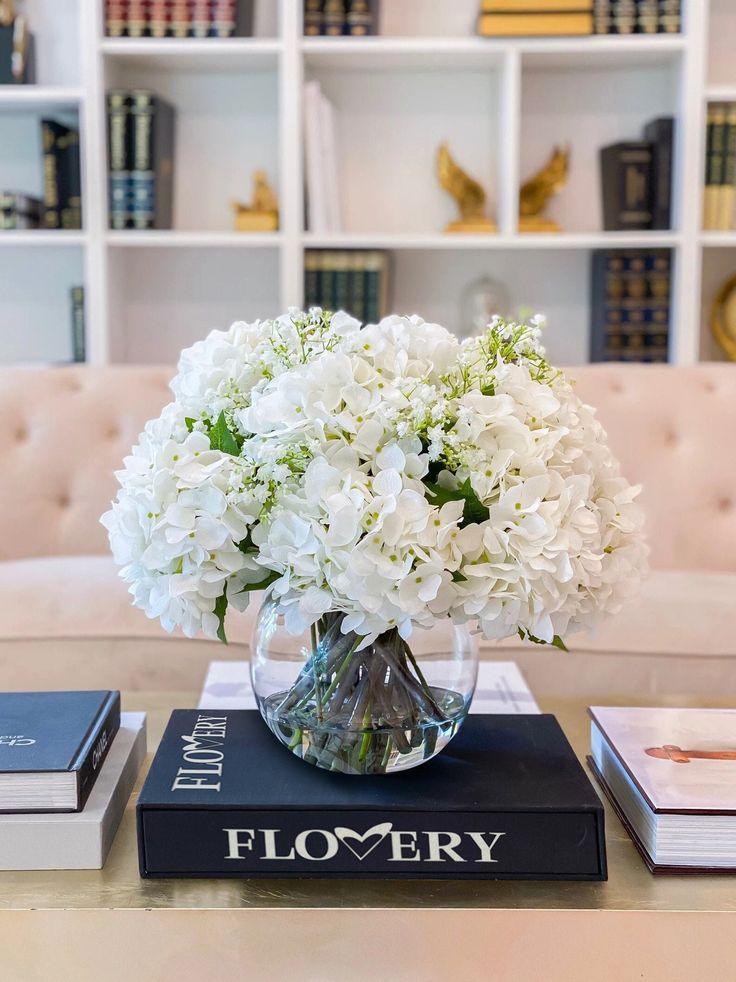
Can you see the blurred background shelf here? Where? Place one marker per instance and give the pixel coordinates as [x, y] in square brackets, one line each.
[210, 54]
[29, 98]
[501, 104]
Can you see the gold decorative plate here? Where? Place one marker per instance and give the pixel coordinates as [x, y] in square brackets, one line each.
[723, 318]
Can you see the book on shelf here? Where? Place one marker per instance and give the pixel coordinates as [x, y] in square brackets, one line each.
[52, 747]
[19, 211]
[354, 280]
[322, 177]
[627, 185]
[719, 194]
[669, 774]
[535, 25]
[79, 334]
[488, 807]
[17, 49]
[636, 17]
[340, 18]
[630, 305]
[62, 189]
[79, 840]
[141, 132]
[119, 159]
[179, 18]
[660, 135]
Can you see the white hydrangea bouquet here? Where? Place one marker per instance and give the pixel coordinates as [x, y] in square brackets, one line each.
[377, 480]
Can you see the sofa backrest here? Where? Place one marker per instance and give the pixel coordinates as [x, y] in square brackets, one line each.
[65, 430]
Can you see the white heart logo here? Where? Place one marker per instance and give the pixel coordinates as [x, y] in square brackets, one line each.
[377, 833]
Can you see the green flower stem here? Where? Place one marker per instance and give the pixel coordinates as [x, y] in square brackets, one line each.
[350, 710]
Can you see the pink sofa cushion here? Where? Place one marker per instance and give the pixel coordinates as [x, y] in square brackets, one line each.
[65, 430]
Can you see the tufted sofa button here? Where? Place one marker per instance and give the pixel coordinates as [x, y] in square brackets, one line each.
[63, 500]
[725, 504]
[21, 434]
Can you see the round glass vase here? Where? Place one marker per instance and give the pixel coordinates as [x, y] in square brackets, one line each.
[387, 707]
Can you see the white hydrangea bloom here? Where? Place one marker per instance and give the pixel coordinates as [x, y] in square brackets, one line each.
[390, 472]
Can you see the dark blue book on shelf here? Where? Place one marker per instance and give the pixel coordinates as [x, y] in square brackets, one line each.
[507, 799]
[52, 747]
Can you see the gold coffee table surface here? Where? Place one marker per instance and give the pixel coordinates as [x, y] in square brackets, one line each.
[630, 886]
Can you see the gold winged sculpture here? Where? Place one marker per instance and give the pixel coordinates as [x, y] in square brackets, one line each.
[262, 214]
[536, 192]
[467, 192]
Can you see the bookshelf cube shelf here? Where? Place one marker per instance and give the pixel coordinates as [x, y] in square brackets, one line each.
[434, 281]
[226, 127]
[388, 129]
[586, 108]
[55, 25]
[501, 104]
[194, 290]
[38, 331]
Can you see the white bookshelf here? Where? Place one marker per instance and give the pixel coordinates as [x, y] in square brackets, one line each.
[501, 104]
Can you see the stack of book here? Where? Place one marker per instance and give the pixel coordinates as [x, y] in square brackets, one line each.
[669, 774]
[335, 18]
[140, 128]
[178, 18]
[62, 182]
[68, 763]
[356, 281]
[636, 180]
[323, 188]
[637, 16]
[719, 194]
[528, 18]
[20, 210]
[630, 305]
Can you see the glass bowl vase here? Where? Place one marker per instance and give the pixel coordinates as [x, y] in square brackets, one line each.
[378, 709]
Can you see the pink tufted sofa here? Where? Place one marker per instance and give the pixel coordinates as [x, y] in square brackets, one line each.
[65, 616]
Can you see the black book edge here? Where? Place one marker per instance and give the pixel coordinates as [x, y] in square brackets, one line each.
[152, 170]
[615, 160]
[599, 263]
[648, 861]
[50, 133]
[119, 163]
[95, 746]
[660, 133]
[70, 190]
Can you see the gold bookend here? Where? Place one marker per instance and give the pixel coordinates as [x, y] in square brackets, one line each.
[467, 192]
[536, 192]
[262, 214]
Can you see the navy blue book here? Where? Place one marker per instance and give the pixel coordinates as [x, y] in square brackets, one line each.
[52, 747]
[507, 799]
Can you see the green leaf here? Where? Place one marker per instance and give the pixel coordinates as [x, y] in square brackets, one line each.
[473, 509]
[190, 421]
[457, 577]
[270, 577]
[556, 641]
[220, 610]
[221, 437]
